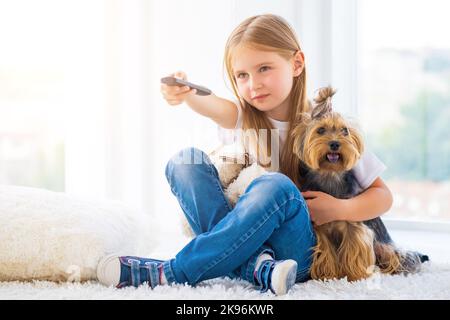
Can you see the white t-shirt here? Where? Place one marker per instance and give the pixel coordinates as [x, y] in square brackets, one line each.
[368, 168]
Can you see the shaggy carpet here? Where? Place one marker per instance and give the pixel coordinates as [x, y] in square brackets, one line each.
[433, 282]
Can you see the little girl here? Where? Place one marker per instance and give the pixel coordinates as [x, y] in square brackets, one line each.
[267, 238]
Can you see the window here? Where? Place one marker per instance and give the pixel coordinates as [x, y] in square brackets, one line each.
[404, 102]
[31, 95]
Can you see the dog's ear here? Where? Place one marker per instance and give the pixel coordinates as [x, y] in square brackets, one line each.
[323, 105]
[357, 139]
[298, 135]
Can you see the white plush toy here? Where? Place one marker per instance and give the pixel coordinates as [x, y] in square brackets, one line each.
[236, 172]
[236, 178]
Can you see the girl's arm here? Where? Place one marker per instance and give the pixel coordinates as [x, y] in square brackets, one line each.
[223, 112]
[373, 202]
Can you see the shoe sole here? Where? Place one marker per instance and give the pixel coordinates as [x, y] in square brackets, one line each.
[287, 272]
[108, 270]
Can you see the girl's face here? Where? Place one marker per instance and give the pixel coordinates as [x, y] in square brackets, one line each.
[264, 79]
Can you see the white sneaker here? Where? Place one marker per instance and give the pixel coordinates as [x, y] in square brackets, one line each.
[277, 275]
[108, 270]
[283, 276]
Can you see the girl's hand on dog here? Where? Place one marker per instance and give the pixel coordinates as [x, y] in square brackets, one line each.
[322, 207]
[175, 95]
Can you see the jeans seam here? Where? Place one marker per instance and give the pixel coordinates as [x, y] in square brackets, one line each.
[183, 207]
[305, 207]
[205, 161]
[233, 247]
[218, 185]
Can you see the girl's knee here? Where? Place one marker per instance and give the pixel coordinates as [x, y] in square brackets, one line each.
[181, 163]
[276, 183]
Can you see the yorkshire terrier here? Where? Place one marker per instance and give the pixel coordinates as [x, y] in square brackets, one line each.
[329, 147]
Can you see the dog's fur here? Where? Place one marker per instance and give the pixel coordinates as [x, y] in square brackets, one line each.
[329, 147]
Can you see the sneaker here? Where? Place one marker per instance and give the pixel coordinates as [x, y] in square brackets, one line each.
[123, 271]
[278, 276]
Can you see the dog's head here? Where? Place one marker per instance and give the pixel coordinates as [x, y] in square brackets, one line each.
[324, 140]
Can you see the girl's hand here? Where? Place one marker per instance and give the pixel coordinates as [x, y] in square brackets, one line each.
[324, 208]
[175, 95]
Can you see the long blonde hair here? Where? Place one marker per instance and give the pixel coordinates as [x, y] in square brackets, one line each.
[270, 33]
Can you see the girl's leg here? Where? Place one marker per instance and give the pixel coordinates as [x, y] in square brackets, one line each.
[194, 181]
[271, 211]
[295, 241]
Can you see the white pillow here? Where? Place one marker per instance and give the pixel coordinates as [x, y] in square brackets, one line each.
[48, 235]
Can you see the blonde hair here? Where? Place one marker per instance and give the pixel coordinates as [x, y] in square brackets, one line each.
[269, 33]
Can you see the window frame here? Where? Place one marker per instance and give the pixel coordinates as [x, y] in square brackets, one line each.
[344, 55]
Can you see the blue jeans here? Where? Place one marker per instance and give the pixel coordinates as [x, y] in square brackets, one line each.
[271, 216]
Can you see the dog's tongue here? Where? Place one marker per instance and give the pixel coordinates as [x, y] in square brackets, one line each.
[333, 157]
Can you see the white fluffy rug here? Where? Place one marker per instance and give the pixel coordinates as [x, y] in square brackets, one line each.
[432, 283]
[55, 236]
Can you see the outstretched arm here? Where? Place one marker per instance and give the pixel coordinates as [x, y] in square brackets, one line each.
[221, 111]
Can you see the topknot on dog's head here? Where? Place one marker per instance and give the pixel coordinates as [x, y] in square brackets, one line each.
[323, 103]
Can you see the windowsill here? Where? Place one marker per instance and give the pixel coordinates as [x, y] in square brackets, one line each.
[432, 243]
[418, 225]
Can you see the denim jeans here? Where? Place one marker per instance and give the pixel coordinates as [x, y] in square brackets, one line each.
[271, 216]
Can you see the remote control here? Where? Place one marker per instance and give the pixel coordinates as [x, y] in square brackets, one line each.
[172, 81]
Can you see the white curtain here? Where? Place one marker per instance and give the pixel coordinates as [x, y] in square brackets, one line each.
[120, 132]
[328, 35]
